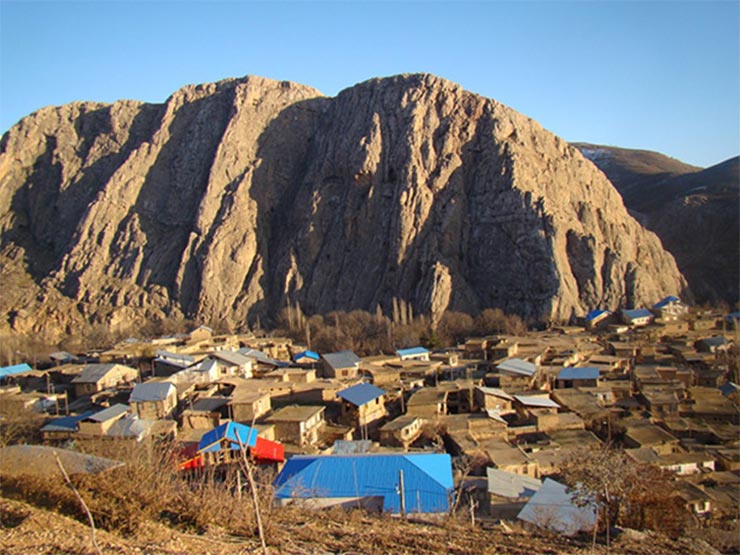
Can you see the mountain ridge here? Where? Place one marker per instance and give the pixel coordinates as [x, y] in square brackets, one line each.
[232, 198]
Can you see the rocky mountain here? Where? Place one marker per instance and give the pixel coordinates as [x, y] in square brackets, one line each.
[233, 198]
[695, 212]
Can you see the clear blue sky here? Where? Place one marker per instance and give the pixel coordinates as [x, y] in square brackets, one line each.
[662, 76]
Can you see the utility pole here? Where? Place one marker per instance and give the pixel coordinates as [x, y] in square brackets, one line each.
[402, 493]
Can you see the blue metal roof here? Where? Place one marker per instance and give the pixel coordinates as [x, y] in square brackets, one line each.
[637, 313]
[665, 302]
[427, 479]
[585, 373]
[15, 369]
[595, 314]
[361, 394]
[66, 423]
[307, 354]
[412, 351]
[231, 431]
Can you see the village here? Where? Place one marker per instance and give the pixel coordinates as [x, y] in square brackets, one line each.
[492, 418]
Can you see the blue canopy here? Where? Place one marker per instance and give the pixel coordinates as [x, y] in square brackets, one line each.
[233, 432]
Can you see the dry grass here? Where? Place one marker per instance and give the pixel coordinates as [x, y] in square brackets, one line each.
[148, 506]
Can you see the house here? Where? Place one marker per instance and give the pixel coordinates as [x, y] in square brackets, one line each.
[167, 363]
[714, 344]
[509, 458]
[670, 308]
[534, 404]
[63, 357]
[232, 363]
[298, 424]
[637, 317]
[494, 399]
[402, 431]
[362, 405]
[307, 358]
[587, 376]
[99, 423]
[509, 492]
[641, 433]
[597, 319]
[247, 405]
[427, 402]
[343, 365]
[64, 427]
[201, 333]
[154, 400]
[551, 507]
[395, 483]
[413, 353]
[97, 377]
[517, 367]
[7, 371]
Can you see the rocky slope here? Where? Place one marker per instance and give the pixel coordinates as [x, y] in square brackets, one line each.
[696, 213]
[231, 199]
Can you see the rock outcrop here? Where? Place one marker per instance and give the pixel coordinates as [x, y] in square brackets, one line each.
[231, 199]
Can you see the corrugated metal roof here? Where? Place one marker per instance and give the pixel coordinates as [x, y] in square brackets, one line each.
[233, 432]
[536, 401]
[130, 427]
[551, 507]
[412, 351]
[179, 358]
[595, 314]
[361, 394]
[15, 369]
[518, 366]
[231, 357]
[307, 354]
[427, 478]
[261, 357]
[510, 485]
[66, 423]
[351, 447]
[584, 373]
[637, 313]
[151, 391]
[496, 392]
[93, 373]
[106, 414]
[666, 301]
[342, 359]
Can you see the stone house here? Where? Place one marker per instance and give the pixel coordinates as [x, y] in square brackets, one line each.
[402, 431]
[343, 365]
[298, 424]
[98, 377]
[362, 406]
[154, 400]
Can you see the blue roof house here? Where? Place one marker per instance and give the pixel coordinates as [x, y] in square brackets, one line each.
[670, 308]
[637, 317]
[598, 318]
[371, 481]
[413, 353]
[363, 405]
[307, 357]
[8, 371]
[578, 377]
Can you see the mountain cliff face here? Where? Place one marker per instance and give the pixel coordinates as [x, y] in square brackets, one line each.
[233, 198]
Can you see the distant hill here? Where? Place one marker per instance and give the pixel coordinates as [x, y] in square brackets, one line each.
[695, 212]
[634, 172]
